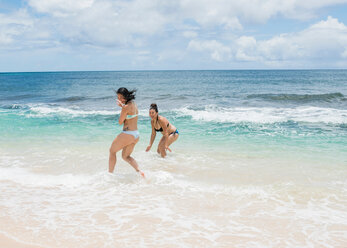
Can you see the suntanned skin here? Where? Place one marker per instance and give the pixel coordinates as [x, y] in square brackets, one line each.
[125, 141]
[158, 122]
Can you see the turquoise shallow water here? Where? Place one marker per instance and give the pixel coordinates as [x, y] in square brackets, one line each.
[293, 111]
[261, 154]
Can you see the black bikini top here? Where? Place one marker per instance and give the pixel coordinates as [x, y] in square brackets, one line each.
[160, 129]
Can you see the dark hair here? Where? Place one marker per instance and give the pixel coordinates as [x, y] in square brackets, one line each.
[128, 95]
[154, 106]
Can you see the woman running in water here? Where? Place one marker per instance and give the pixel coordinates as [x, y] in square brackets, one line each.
[128, 138]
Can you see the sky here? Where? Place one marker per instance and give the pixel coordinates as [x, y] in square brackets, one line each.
[98, 35]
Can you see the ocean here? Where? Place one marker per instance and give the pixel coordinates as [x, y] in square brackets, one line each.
[261, 160]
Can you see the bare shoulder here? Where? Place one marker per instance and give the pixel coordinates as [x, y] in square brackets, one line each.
[130, 105]
[126, 107]
[162, 119]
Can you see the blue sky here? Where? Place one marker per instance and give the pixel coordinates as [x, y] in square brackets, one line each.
[65, 35]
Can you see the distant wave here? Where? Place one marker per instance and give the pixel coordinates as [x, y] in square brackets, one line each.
[81, 98]
[104, 97]
[71, 99]
[299, 98]
[74, 112]
[13, 106]
[51, 109]
[20, 97]
[209, 113]
[42, 110]
[266, 115]
[170, 97]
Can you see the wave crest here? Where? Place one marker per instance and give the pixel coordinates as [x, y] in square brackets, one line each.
[72, 99]
[209, 113]
[267, 115]
[299, 98]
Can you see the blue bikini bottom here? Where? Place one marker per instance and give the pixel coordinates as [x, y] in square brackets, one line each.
[134, 133]
[174, 132]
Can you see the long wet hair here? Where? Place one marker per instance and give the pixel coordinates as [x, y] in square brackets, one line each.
[154, 106]
[128, 95]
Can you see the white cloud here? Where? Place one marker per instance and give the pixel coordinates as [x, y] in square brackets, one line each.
[190, 34]
[232, 13]
[247, 46]
[325, 40]
[213, 27]
[60, 8]
[103, 23]
[114, 23]
[170, 55]
[20, 30]
[217, 51]
[330, 23]
[14, 25]
[211, 13]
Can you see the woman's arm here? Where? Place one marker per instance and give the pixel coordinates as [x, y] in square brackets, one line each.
[123, 114]
[154, 133]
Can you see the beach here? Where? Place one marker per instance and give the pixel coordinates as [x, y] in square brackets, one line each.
[261, 160]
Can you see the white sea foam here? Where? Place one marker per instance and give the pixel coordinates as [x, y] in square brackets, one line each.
[42, 110]
[48, 110]
[210, 113]
[266, 114]
[157, 211]
[170, 205]
[25, 177]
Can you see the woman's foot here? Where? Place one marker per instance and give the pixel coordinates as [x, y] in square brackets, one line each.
[141, 174]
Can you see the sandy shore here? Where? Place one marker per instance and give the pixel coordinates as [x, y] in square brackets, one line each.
[11, 243]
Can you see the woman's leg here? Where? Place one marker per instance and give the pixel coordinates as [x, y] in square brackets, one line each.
[161, 147]
[172, 138]
[119, 142]
[126, 155]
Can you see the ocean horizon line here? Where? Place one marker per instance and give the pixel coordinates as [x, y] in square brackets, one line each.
[172, 70]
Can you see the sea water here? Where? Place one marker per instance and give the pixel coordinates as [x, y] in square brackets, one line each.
[261, 160]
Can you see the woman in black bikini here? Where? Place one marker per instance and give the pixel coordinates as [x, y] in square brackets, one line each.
[161, 124]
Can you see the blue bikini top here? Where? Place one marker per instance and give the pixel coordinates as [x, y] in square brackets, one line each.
[131, 116]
